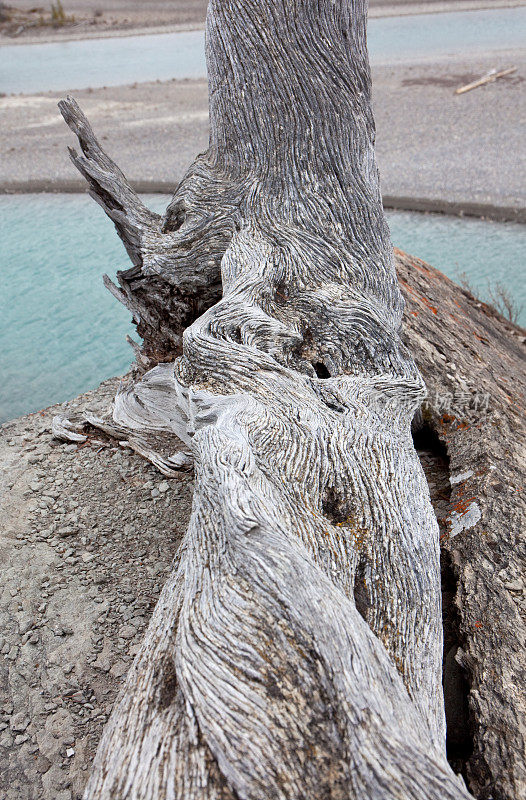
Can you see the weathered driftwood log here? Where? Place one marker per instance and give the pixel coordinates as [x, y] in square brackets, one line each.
[296, 651]
[473, 362]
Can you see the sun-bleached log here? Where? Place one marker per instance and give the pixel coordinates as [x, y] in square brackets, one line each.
[296, 650]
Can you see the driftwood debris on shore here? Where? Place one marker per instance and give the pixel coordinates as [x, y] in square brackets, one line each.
[296, 651]
[489, 78]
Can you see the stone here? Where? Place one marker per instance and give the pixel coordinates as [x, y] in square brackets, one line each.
[60, 724]
[119, 669]
[19, 722]
[48, 745]
[127, 631]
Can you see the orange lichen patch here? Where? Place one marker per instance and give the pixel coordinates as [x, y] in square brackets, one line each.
[426, 302]
[414, 313]
[463, 505]
[447, 419]
[478, 624]
[358, 532]
[420, 298]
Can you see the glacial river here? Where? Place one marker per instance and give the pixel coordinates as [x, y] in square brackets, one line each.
[61, 66]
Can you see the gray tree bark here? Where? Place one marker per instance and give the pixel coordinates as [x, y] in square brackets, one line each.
[296, 650]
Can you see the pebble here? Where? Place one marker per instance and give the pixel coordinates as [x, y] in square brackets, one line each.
[127, 631]
[19, 722]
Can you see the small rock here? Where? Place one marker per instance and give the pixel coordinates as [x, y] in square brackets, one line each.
[13, 653]
[19, 722]
[119, 669]
[127, 631]
[163, 487]
[103, 663]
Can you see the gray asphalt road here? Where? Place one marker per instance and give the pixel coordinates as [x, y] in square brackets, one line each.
[431, 143]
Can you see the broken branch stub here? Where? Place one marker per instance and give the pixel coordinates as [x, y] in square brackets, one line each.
[175, 274]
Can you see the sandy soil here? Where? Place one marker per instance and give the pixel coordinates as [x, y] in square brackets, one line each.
[432, 145]
[25, 20]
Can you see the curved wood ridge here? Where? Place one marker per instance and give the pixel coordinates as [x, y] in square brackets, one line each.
[296, 651]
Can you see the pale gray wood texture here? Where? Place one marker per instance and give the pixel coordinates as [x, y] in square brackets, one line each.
[296, 650]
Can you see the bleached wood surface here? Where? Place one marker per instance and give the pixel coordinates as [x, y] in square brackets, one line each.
[296, 651]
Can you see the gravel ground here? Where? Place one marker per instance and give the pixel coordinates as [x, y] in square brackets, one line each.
[431, 144]
[87, 536]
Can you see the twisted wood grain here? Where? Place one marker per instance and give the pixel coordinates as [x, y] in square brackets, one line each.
[296, 650]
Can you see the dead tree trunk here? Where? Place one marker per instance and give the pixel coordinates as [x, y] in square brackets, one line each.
[296, 651]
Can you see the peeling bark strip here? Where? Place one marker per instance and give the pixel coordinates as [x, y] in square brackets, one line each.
[259, 676]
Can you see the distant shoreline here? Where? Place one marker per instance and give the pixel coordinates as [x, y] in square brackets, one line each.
[430, 205]
[392, 8]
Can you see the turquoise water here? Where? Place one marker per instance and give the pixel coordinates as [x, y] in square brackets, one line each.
[60, 66]
[485, 253]
[61, 332]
